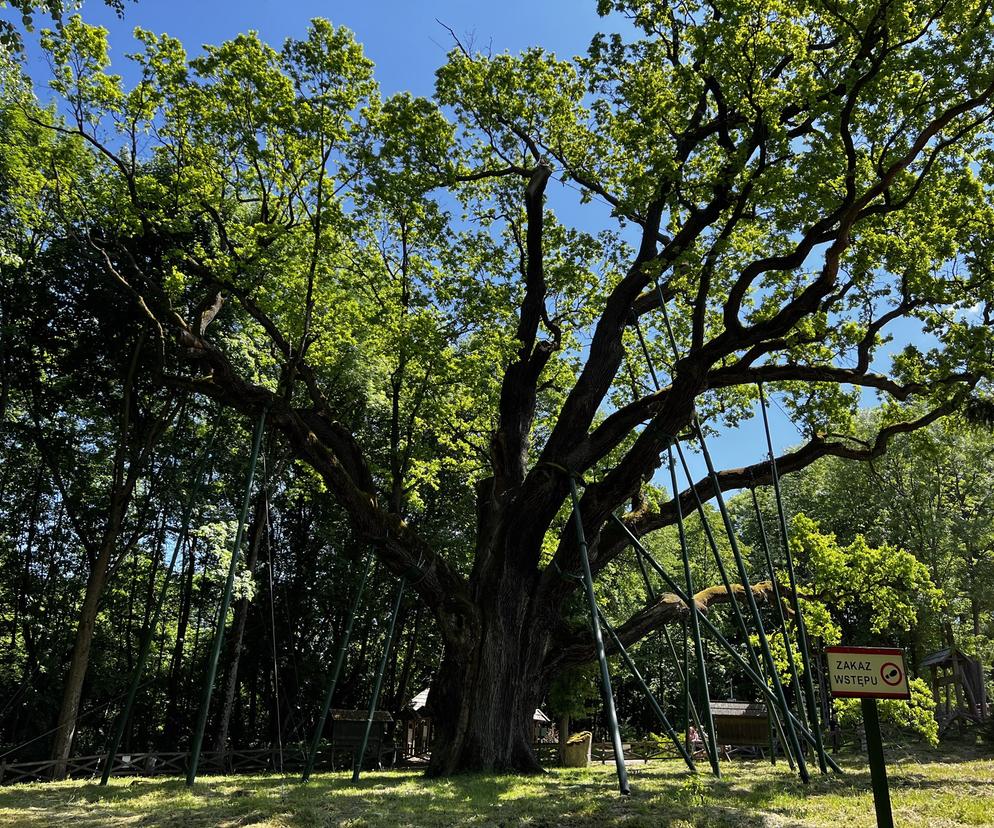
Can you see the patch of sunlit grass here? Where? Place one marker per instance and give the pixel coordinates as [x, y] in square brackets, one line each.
[934, 790]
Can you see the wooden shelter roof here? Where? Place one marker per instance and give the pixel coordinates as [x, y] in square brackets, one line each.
[743, 709]
[942, 658]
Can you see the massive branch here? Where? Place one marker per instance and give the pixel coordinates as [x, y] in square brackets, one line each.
[332, 451]
[509, 447]
[611, 542]
[577, 647]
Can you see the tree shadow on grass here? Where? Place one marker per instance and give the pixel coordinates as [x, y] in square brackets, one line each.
[773, 795]
[378, 800]
[749, 795]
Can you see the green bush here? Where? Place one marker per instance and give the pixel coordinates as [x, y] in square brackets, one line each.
[897, 716]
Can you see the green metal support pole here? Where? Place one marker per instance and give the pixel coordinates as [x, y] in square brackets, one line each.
[878, 766]
[773, 742]
[715, 552]
[215, 653]
[649, 591]
[791, 740]
[153, 622]
[378, 684]
[726, 582]
[788, 647]
[688, 703]
[588, 582]
[778, 600]
[645, 350]
[691, 709]
[764, 644]
[333, 678]
[743, 665]
[708, 736]
[667, 727]
[740, 662]
[802, 632]
[762, 685]
[683, 673]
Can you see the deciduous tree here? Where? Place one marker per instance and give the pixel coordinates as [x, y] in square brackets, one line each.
[408, 291]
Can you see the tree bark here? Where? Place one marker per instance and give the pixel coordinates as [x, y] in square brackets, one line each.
[483, 698]
[482, 703]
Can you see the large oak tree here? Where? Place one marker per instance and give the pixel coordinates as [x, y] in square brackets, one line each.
[427, 291]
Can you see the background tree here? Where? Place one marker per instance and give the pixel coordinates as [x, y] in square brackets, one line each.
[929, 495]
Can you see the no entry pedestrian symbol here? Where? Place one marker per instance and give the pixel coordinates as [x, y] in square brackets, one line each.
[892, 674]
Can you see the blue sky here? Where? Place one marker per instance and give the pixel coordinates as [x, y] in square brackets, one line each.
[404, 39]
[407, 41]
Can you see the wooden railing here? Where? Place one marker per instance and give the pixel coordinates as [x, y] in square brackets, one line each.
[268, 760]
[253, 760]
[644, 751]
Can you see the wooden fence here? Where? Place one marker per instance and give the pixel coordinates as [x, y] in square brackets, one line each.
[268, 760]
[603, 752]
[254, 760]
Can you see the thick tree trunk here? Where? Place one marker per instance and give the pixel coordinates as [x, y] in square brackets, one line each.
[563, 738]
[483, 698]
[482, 709]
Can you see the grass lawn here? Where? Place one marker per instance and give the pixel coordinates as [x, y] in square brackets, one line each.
[927, 789]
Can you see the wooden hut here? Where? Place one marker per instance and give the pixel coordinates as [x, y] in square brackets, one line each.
[741, 724]
[344, 732]
[957, 687]
[416, 735]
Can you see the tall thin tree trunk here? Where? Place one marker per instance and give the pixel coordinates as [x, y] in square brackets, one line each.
[256, 532]
[405, 671]
[129, 628]
[126, 470]
[20, 603]
[81, 653]
[174, 727]
[981, 673]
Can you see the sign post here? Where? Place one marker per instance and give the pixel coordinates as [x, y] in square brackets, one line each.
[868, 674]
